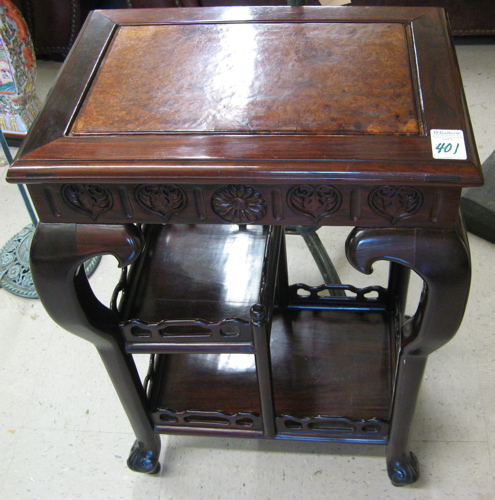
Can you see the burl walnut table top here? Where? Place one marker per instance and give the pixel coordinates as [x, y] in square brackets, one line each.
[253, 78]
[256, 96]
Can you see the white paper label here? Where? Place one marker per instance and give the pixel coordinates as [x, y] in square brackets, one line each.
[448, 144]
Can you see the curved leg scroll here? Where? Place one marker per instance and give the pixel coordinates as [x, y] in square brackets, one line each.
[441, 258]
[57, 254]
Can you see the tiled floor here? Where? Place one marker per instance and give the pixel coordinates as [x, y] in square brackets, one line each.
[63, 433]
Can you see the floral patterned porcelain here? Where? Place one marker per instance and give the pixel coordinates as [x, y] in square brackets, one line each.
[19, 104]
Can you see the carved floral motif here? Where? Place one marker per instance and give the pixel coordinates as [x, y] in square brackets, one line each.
[315, 202]
[238, 204]
[395, 202]
[92, 199]
[166, 200]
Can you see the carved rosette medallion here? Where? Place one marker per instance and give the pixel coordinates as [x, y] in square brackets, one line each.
[238, 204]
[91, 199]
[166, 200]
[395, 202]
[315, 202]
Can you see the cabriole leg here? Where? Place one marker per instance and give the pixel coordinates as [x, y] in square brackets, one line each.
[441, 258]
[57, 254]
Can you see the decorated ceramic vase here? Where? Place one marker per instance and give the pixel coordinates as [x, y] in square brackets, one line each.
[19, 104]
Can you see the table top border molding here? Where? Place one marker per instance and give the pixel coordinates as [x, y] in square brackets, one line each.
[49, 152]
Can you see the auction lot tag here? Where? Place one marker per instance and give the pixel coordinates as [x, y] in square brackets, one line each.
[448, 144]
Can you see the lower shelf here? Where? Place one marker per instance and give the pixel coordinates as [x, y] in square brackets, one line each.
[333, 374]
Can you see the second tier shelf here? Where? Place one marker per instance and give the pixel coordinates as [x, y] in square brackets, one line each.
[194, 287]
[318, 366]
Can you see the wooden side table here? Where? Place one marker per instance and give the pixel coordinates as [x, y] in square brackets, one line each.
[183, 141]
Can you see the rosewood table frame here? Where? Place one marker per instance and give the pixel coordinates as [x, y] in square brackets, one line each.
[99, 189]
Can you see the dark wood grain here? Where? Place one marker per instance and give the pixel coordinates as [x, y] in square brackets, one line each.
[442, 259]
[311, 355]
[210, 272]
[437, 208]
[71, 83]
[57, 254]
[265, 14]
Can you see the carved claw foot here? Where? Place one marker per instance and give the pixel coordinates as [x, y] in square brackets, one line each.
[404, 471]
[142, 460]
